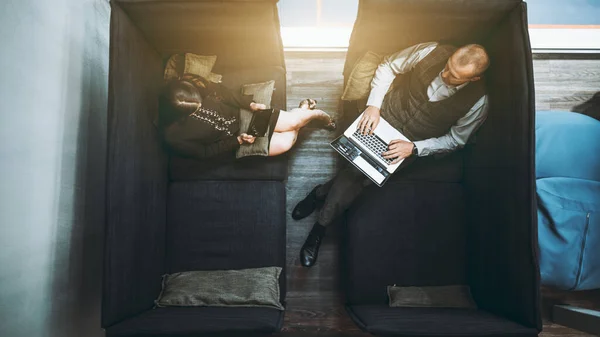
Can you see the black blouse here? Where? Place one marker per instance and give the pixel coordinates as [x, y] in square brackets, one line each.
[212, 129]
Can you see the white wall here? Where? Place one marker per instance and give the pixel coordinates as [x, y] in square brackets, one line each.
[53, 97]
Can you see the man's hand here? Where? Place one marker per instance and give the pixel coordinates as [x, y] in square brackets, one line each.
[398, 149]
[369, 120]
[245, 138]
[257, 106]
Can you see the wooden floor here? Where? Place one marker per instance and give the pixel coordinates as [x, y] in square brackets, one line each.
[314, 299]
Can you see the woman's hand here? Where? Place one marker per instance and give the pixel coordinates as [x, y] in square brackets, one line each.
[245, 139]
[257, 106]
[369, 120]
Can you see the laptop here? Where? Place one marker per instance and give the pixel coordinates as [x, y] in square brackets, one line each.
[365, 151]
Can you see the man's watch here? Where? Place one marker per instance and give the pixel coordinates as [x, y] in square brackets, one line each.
[415, 151]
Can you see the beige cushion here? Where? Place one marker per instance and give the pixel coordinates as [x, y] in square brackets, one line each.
[359, 82]
[453, 296]
[261, 93]
[188, 63]
[257, 287]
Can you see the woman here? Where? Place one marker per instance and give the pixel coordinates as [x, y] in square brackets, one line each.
[201, 119]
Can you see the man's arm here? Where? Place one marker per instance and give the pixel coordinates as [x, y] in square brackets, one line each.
[459, 134]
[398, 63]
[393, 65]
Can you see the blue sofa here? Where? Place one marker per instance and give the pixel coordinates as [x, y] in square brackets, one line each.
[568, 189]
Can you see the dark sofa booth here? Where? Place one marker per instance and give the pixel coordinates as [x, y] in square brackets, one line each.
[468, 218]
[167, 214]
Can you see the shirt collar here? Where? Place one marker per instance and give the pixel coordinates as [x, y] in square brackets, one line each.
[450, 86]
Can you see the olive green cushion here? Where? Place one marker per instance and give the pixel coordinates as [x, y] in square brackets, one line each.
[359, 82]
[453, 296]
[257, 287]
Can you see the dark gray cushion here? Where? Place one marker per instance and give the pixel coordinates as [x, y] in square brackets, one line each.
[225, 166]
[201, 321]
[404, 233]
[413, 322]
[254, 287]
[226, 225]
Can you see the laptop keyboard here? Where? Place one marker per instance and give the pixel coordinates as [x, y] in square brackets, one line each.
[373, 143]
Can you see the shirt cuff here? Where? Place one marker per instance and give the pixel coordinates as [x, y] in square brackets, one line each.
[421, 148]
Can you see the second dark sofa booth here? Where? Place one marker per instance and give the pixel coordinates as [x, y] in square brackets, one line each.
[466, 218]
[167, 214]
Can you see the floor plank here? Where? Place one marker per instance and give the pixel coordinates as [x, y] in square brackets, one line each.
[315, 302]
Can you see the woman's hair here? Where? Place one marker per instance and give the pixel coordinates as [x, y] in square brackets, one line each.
[179, 98]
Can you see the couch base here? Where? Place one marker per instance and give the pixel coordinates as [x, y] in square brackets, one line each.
[382, 320]
[199, 321]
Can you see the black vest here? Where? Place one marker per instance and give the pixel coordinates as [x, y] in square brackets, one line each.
[408, 109]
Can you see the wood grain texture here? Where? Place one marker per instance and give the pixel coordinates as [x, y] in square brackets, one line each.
[314, 299]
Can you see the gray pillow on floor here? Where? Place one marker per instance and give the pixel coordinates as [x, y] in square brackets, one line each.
[454, 296]
[258, 287]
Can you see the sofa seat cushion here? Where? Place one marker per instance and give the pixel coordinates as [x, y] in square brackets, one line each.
[198, 321]
[216, 225]
[225, 166]
[404, 233]
[385, 321]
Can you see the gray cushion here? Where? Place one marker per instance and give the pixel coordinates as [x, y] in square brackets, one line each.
[254, 287]
[452, 296]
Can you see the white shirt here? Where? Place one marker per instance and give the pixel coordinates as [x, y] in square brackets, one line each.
[405, 61]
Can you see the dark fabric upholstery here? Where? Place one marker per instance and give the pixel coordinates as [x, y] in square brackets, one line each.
[243, 34]
[411, 322]
[226, 225]
[405, 234]
[500, 180]
[136, 177]
[498, 170]
[226, 167]
[200, 321]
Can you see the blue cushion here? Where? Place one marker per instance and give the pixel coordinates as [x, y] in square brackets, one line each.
[569, 232]
[567, 145]
[568, 188]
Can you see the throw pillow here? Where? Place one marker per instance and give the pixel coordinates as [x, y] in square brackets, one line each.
[257, 287]
[261, 93]
[454, 296]
[359, 82]
[188, 63]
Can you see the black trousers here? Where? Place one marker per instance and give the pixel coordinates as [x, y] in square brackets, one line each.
[340, 192]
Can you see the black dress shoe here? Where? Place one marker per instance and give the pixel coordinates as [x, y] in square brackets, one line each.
[310, 249]
[306, 206]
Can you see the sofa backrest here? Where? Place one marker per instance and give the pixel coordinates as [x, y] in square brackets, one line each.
[499, 170]
[136, 176]
[243, 33]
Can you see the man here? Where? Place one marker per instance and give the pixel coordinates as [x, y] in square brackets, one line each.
[437, 102]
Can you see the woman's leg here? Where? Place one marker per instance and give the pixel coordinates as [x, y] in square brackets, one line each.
[297, 118]
[282, 142]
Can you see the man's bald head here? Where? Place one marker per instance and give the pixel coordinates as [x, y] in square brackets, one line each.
[466, 64]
